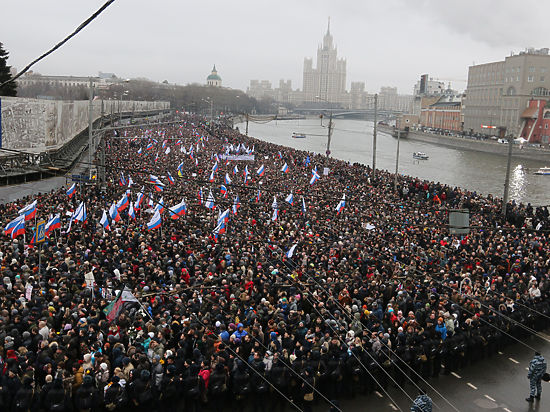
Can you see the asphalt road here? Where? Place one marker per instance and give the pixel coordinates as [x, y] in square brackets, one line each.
[496, 384]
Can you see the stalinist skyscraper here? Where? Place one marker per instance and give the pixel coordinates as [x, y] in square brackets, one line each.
[328, 79]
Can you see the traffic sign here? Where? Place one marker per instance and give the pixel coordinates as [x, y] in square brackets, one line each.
[41, 231]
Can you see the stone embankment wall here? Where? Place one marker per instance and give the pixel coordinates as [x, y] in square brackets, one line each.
[38, 125]
[484, 146]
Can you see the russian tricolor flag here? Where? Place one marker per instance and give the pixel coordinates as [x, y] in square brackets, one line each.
[227, 179]
[261, 171]
[131, 212]
[290, 199]
[11, 225]
[285, 168]
[223, 191]
[80, 213]
[155, 222]
[178, 210]
[29, 211]
[236, 205]
[53, 223]
[139, 201]
[113, 212]
[139, 151]
[215, 167]
[123, 203]
[71, 191]
[105, 221]
[303, 206]
[211, 178]
[341, 205]
[314, 177]
[170, 178]
[258, 195]
[18, 229]
[235, 170]
[122, 180]
[210, 201]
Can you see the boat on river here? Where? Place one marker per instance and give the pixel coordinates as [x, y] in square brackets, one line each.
[296, 135]
[420, 156]
[544, 171]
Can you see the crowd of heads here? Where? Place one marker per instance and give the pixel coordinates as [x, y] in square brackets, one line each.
[379, 283]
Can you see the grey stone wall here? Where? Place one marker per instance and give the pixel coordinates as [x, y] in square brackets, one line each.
[37, 125]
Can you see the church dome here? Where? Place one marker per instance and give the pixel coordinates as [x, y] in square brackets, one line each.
[213, 77]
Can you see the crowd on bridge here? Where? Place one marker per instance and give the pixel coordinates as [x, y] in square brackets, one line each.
[278, 283]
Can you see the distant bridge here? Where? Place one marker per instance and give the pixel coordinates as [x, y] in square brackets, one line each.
[383, 114]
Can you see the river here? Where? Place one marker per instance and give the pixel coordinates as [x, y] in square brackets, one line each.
[352, 141]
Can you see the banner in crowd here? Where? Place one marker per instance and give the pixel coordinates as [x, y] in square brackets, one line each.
[243, 157]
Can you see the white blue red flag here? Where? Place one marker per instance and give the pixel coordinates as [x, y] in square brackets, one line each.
[210, 201]
[105, 221]
[71, 191]
[155, 222]
[341, 205]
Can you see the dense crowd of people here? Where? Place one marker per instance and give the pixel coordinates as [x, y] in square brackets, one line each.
[304, 306]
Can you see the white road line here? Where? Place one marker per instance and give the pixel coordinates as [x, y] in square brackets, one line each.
[488, 397]
[393, 407]
[472, 386]
[500, 353]
[506, 410]
[513, 360]
[456, 375]
[379, 394]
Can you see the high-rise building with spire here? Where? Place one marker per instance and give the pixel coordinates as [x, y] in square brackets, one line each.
[326, 82]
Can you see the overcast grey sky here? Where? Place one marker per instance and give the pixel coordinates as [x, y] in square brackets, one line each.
[386, 43]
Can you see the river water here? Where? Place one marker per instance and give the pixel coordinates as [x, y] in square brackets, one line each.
[352, 141]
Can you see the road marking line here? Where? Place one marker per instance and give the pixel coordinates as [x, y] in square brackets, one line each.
[472, 386]
[456, 375]
[393, 407]
[513, 360]
[379, 394]
[506, 410]
[500, 353]
[491, 399]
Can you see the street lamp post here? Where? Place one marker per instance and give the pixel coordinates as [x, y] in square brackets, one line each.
[329, 133]
[90, 124]
[209, 100]
[374, 137]
[396, 161]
